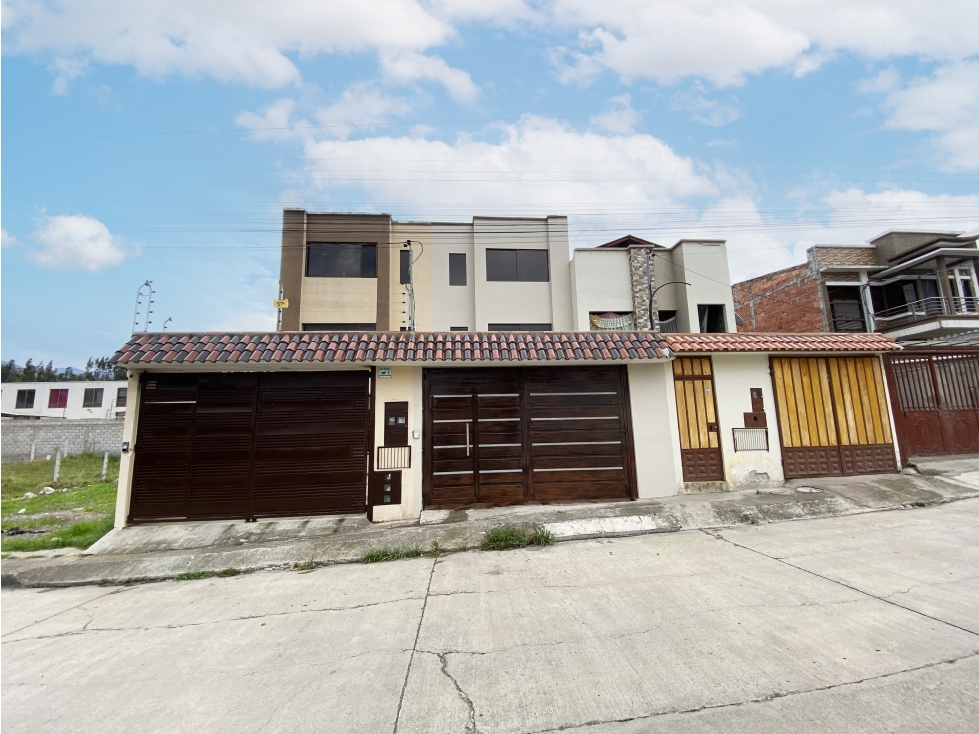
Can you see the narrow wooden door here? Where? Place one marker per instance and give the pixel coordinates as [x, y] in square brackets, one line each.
[700, 445]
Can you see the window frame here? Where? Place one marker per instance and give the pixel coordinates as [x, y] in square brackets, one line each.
[122, 396]
[92, 394]
[455, 259]
[61, 392]
[521, 272]
[25, 399]
[368, 258]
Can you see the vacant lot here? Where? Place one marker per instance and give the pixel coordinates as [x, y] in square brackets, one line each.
[867, 623]
[77, 514]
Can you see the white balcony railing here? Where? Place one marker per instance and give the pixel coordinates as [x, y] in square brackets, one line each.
[668, 326]
[927, 308]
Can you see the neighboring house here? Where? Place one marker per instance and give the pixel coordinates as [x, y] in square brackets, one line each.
[291, 423]
[917, 287]
[366, 272]
[71, 400]
[913, 286]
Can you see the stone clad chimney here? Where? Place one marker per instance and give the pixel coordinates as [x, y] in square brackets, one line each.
[641, 273]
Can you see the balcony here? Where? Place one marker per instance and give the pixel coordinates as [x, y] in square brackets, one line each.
[668, 326]
[929, 317]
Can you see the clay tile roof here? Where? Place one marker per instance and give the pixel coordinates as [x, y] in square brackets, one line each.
[391, 347]
[754, 342]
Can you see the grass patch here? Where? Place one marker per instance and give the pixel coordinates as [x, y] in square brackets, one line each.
[76, 471]
[304, 566]
[80, 535]
[508, 537]
[376, 555]
[85, 493]
[195, 575]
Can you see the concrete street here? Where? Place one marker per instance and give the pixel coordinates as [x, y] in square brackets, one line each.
[864, 623]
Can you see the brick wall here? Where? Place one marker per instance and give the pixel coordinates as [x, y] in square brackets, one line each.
[844, 256]
[786, 300]
[71, 436]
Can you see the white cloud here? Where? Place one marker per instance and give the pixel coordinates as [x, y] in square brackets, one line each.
[359, 107]
[250, 321]
[246, 41]
[708, 111]
[406, 67]
[723, 42]
[946, 104]
[537, 162]
[7, 239]
[65, 70]
[78, 242]
[619, 118]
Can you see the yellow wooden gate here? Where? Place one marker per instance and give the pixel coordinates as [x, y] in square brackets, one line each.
[832, 416]
[700, 449]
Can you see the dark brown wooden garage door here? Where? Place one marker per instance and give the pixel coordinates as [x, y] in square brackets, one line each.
[512, 435]
[247, 446]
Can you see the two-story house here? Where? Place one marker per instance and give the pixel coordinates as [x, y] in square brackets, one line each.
[369, 272]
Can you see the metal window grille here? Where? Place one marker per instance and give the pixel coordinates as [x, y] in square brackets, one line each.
[393, 457]
[750, 439]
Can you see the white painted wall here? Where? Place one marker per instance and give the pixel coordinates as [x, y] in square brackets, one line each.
[404, 385]
[452, 305]
[501, 302]
[734, 376]
[704, 265]
[656, 436]
[600, 282]
[76, 395]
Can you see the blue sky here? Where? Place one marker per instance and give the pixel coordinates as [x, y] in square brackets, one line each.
[160, 140]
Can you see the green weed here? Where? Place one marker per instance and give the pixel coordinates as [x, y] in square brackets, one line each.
[375, 555]
[540, 536]
[304, 566]
[80, 535]
[195, 575]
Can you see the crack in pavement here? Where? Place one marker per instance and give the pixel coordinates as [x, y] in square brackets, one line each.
[65, 611]
[88, 629]
[471, 726]
[760, 700]
[886, 600]
[414, 647]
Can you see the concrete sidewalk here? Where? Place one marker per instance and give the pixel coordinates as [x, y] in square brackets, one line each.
[160, 552]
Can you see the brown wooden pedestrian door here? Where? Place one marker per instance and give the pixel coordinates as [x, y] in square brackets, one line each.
[696, 408]
[506, 436]
[247, 446]
[832, 416]
[936, 402]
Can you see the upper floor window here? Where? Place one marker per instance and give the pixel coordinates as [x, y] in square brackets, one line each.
[58, 398]
[341, 260]
[405, 266]
[92, 398]
[121, 393]
[25, 399]
[519, 327]
[517, 265]
[457, 268]
[711, 318]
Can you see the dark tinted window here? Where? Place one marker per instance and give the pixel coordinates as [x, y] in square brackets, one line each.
[121, 397]
[25, 399]
[341, 260]
[517, 265]
[339, 327]
[519, 327]
[458, 328]
[405, 266]
[457, 268]
[93, 397]
[532, 265]
[501, 265]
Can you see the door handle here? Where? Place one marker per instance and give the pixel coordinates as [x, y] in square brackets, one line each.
[467, 439]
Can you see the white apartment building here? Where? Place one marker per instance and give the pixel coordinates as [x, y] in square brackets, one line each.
[71, 400]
